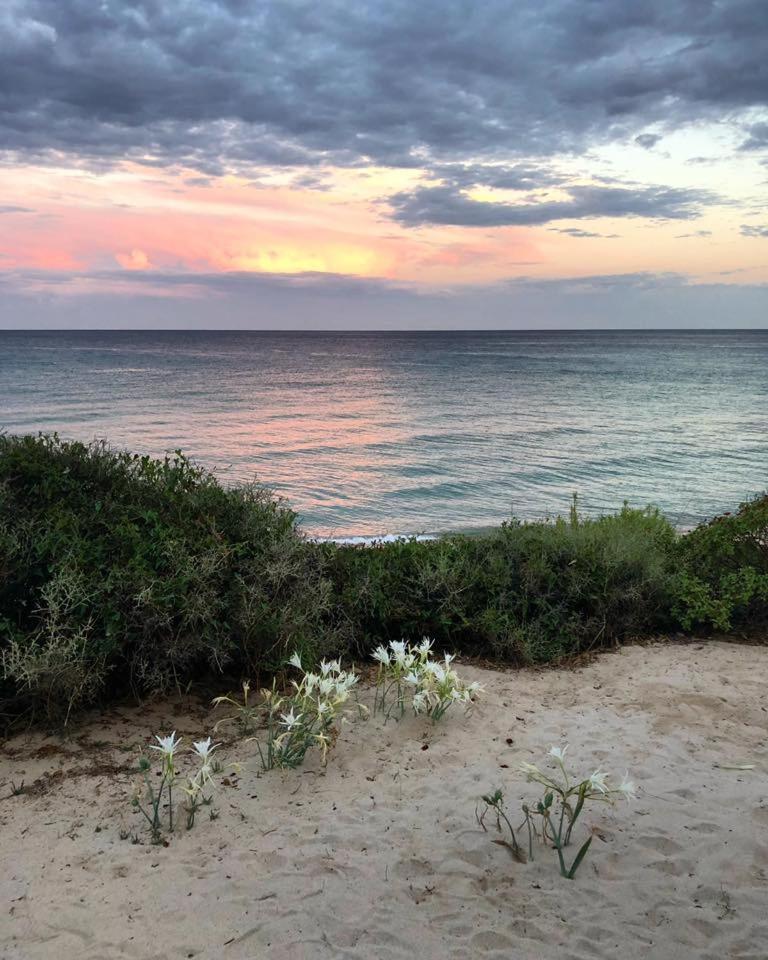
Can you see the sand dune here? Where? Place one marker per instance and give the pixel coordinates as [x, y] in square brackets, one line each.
[378, 856]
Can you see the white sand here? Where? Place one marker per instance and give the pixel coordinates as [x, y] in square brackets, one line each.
[379, 856]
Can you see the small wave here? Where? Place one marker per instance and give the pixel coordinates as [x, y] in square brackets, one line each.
[381, 538]
[113, 370]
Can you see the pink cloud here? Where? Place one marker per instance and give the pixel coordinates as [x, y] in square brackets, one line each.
[135, 260]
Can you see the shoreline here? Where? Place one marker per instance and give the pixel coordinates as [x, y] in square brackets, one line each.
[365, 540]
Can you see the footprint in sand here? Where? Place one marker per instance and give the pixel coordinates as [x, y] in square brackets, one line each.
[661, 844]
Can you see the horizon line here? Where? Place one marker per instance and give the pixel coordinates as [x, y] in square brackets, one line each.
[312, 330]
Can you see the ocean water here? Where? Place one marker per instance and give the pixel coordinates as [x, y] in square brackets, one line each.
[393, 433]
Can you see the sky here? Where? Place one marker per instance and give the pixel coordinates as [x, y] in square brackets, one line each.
[383, 164]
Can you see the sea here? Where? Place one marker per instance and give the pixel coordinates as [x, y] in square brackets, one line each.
[386, 434]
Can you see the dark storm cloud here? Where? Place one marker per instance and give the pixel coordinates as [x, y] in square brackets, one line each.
[224, 84]
[446, 205]
[647, 140]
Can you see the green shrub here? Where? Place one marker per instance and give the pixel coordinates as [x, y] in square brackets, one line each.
[58, 662]
[527, 592]
[723, 570]
[118, 570]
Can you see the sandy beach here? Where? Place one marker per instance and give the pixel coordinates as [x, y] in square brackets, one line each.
[378, 856]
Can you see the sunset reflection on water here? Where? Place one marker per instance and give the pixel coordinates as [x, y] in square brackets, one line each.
[367, 434]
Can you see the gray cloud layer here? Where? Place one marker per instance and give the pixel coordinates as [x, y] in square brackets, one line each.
[642, 300]
[444, 204]
[476, 93]
[229, 83]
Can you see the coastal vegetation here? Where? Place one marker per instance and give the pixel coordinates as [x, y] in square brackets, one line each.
[126, 574]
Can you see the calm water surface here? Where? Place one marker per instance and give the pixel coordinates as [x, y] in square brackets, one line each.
[398, 433]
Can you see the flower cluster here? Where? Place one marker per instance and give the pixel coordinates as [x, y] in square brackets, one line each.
[306, 717]
[197, 786]
[561, 805]
[433, 684]
[597, 786]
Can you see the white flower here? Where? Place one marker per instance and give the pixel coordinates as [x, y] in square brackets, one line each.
[626, 787]
[326, 686]
[343, 683]
[289, 720]
[412, 678]
[419, 702]
[529, 769]
[204, 748]
[168, 745]
[474, 688]
[295, 661]
[438, 672]
[449, 658]
[381, 655]
[205, 774]
[558, 753]
[597, 781]
[425, 646]
[193, 789]
[398, 650]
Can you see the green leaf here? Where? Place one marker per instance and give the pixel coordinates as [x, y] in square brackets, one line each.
[579, 857]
